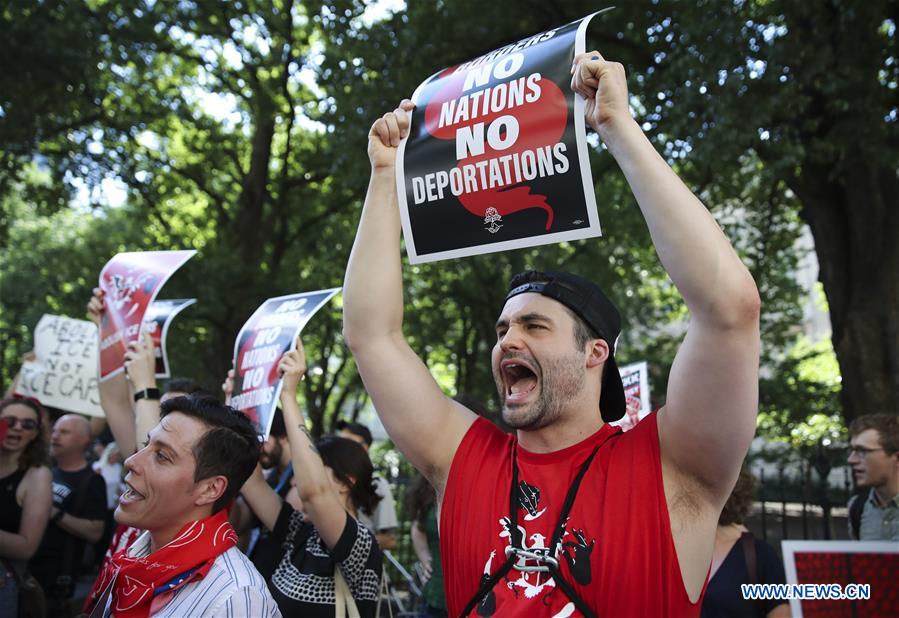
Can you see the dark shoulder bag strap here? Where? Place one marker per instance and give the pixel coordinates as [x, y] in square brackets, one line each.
[752, 567]
[855, 515]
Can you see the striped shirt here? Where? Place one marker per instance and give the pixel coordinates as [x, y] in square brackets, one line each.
[233, 588]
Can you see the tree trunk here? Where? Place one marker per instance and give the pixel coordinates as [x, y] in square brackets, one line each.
[854, 218]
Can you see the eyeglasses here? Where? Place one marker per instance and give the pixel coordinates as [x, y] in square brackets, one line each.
[28, 424]
[861, 451]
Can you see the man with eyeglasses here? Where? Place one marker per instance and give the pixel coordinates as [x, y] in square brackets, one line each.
[874, 457]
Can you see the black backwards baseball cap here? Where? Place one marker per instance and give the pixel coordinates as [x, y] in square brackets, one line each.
[590, 304]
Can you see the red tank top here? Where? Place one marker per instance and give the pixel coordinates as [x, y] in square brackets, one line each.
[616, 550]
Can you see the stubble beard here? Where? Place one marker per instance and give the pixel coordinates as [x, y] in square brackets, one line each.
[560, 382]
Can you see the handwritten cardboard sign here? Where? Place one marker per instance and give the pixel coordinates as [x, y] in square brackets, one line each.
[65, 373]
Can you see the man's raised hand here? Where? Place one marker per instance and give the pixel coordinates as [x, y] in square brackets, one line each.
[292, 368]
[603, 85]
[386, 133]
[96, 306]
[140, 363]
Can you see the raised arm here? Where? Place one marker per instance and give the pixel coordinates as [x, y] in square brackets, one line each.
[321, 504]
[115, 397]
[425, 425]
[709, 417]
[262, 500]
[708, 421]
[140, 366]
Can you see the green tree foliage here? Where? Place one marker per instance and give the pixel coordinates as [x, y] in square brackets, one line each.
[239, 129]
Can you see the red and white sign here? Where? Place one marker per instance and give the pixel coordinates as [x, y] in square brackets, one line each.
[271, 331]
[635, 379]
[831, 567]
[130, 282]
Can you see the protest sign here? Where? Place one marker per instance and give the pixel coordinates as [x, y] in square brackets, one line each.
[842, 578]
[269, 333]
[159, 316]
[130, 282]
[635, 379]
[496, 157]
[64, 372]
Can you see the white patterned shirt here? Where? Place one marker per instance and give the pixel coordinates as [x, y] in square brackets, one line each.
[232, 588]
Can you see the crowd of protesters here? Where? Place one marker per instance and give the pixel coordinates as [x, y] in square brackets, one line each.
[567, 514]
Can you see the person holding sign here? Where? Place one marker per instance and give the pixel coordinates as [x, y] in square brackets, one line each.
[330, 562]
[569, 515]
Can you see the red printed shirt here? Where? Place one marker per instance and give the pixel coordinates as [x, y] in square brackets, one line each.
[616, 551]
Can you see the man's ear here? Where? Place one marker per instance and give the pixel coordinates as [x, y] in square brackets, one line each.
[598, 353]
[211, 489]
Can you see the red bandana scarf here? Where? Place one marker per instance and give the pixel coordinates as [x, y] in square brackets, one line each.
[193, 550]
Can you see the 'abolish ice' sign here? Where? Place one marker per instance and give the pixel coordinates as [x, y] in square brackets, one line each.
[496, 157]
[269, 333]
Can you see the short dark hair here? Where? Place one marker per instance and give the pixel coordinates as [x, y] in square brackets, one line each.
[37, 453]
[182, 385]
[886, 426]
[230, 448]
[738, 505]
[352, 467]
[357, 429]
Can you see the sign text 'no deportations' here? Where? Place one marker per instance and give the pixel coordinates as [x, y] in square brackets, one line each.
[130, 282]
[496, 157]
[64, 373]
[269, 333]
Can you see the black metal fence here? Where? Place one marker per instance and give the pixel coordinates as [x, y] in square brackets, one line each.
[803, 500]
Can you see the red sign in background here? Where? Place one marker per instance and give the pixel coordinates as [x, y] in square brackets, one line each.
[878, 570]
[130, 282]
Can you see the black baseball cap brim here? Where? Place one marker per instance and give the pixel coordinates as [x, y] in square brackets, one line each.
[589, 303]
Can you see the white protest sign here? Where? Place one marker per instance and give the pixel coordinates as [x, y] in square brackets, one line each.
[66, 372]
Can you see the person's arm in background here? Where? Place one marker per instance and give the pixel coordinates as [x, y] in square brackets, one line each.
[90, 519]
[422, 551]
[322, 506]
[425, 424]
[262, 499]
[140, 366]
[708, 420]
[115, 397]
[36, 505]
[89, 530]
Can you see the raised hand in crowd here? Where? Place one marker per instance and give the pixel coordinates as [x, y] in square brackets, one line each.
[333, 478]
[130, 398]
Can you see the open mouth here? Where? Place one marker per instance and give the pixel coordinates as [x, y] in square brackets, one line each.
[130, 495]
[519, 379]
